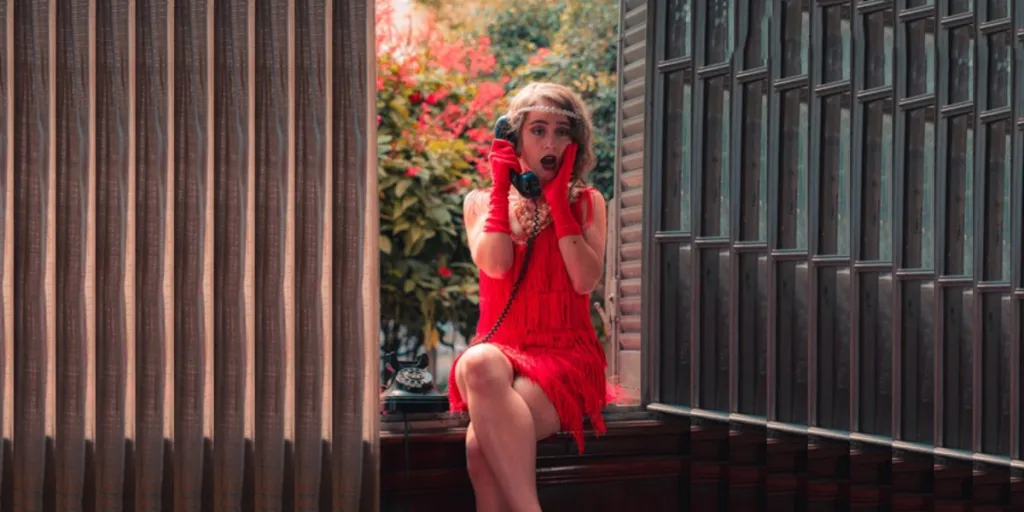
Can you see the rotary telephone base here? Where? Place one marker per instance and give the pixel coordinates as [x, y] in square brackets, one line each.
[411, 387]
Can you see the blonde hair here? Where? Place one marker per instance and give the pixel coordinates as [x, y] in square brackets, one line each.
[581, 129]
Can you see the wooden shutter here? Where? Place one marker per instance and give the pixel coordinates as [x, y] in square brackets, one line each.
[626, 212]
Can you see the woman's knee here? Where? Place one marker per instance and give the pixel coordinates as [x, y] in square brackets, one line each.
[483, 368]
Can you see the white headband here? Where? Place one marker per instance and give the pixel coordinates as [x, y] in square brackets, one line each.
[553, 110]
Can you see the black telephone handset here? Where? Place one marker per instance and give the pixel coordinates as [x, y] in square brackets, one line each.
[528, 185]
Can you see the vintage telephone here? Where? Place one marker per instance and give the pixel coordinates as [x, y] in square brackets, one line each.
[411, 387]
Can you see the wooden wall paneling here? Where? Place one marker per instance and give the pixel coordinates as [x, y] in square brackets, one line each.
[192, 161]
[309, 61]
[6, 230]
[747, 458]
[114, 143]
[870, 467]
[1016, 491]
[232, 244]
[154, 83]
[828, 471]
[34, 113]
[709, 465]
[171, 320]
[912, 478]
[351, 118]
[952, 482]
[75, 215]
[273, 157]
[786, 470]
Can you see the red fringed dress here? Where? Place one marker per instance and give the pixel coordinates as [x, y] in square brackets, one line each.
[547, 333]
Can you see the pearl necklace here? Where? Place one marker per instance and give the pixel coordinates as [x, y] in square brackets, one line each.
[523, 208]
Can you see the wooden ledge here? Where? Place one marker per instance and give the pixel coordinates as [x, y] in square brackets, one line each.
[1017, 492]
[639, 455]
[680, 462]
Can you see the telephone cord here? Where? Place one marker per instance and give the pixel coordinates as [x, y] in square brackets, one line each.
[520, 277]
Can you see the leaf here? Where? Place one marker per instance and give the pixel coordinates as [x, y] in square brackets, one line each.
[418, 247]
[415, 234]
[409, 286]
[407, 202]
[413, 240]
[401, 187]
[388, 181]
[403, 206]
[400, 226]
[441, 214]
[385, 244]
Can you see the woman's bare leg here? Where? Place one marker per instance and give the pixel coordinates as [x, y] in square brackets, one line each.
[502, 424]
[545, 417]
[489, 497]
[485, 486]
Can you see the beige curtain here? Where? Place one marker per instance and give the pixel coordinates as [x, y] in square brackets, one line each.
[188, 227]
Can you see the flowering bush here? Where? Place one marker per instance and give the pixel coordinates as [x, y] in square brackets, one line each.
[436, 104]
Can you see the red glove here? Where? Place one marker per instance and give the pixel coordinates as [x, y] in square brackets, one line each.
[503, 158]
[556, 193]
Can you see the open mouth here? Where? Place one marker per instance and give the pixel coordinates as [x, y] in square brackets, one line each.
[549, 163]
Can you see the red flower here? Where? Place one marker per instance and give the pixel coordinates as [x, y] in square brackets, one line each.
[465, 182]
[436, 96]
[416, 98]
[413, 171]
[538, 57]
[444, 272]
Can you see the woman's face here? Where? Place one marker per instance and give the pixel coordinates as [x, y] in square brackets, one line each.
[543, 139]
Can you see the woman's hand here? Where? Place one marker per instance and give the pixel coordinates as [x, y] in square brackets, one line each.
[503, 159]
[582, 250]
[490, 241]
[556, 193]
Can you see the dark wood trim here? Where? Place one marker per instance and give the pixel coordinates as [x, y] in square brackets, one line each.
[650, 313]
[426, 470]
[694, 464]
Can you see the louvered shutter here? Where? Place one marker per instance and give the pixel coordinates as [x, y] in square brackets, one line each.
[626, 212]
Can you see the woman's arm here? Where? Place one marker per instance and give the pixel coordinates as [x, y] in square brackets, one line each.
[491, 251]
[583, 254]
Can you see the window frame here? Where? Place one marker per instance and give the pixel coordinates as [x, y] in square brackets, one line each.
[655, 239]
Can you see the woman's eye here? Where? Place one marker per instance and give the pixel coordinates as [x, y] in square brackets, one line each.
[538, 132]
[562, 133]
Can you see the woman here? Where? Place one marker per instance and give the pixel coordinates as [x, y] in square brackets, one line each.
[542, 368]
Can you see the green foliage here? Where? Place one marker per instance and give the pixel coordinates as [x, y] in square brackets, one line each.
[521, 30]
[435, 106]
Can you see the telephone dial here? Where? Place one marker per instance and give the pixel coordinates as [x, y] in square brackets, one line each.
[411, 388]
